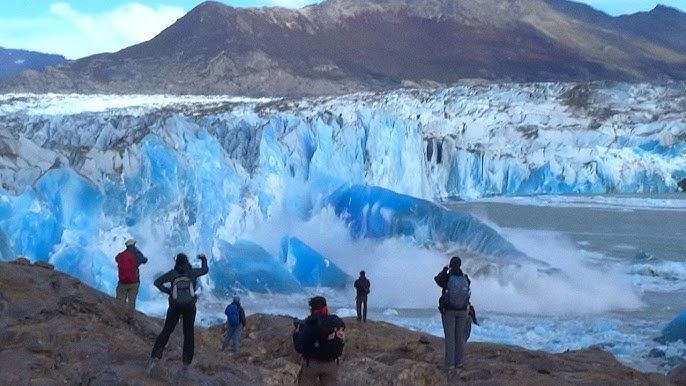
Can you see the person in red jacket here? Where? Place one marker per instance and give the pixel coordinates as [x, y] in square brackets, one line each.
[128, 262]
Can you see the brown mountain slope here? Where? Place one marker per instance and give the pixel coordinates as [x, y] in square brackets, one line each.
[55, 330]
[662, 25]
[341, 46]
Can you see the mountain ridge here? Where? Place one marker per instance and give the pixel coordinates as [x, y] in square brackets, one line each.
[343, 46]
[14, 61]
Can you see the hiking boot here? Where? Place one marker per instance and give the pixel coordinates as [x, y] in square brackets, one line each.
[152, 366]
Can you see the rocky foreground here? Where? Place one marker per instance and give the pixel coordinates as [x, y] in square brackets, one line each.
[56, 330]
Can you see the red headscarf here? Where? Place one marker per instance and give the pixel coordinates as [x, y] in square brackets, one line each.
[324, 311]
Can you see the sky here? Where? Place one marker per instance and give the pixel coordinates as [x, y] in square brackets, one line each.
[78, 28]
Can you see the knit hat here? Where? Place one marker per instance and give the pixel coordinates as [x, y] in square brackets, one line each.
[317, 302]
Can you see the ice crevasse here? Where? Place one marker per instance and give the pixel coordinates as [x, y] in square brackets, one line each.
[79, 174]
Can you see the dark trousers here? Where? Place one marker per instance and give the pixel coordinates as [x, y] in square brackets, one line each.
[457, 326]
[361, 302]
[173, 315]
[318, 373]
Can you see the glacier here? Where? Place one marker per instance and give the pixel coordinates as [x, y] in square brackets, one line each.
[79, 174]
[245, 265]
[374, 212]
[309, 267]
[675, 330]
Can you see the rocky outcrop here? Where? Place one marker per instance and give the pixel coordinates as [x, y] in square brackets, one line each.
[55, 330]
[678, 375]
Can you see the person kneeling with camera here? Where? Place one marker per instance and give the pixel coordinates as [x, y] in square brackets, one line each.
[319, 339]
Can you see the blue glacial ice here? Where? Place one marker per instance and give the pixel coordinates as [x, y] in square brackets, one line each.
[29, 227]
[675, 330]
[79, 173]
[374, 212]
[310, 268]
[245, 265]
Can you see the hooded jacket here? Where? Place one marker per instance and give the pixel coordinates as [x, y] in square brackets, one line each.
[241, 311]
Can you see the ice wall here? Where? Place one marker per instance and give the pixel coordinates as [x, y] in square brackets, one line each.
[464, 142]
[80, 174]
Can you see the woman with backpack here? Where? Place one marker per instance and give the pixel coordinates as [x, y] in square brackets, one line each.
[182, 282]
[455, 311]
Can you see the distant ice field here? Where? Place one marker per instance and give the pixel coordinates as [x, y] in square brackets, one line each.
[71, 104]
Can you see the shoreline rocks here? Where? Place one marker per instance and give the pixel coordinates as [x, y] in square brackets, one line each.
[56, 330]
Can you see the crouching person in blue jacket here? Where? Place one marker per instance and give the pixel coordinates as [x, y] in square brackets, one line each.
[235, 322]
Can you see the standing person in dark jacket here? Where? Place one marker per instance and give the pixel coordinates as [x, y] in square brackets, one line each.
[362, 287]
[128, 262]
[235, 322]
[182, 282]
[320, 340]
[454, 306]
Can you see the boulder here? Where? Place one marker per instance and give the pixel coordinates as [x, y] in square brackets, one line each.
[678, 375]
[44, 265]
[21, 260]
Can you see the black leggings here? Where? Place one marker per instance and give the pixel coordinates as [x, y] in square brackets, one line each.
[173, 315]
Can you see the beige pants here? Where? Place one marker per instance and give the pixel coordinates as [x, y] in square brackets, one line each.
[318, 373]
[126, 295]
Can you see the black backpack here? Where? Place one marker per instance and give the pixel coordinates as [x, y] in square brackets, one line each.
[324, 338]
[458, 292]
[362, 285]
[183, 292]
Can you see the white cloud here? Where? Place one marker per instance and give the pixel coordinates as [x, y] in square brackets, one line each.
[75, 34]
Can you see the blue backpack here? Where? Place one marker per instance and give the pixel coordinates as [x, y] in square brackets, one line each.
[232, 316]
[458, 292]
